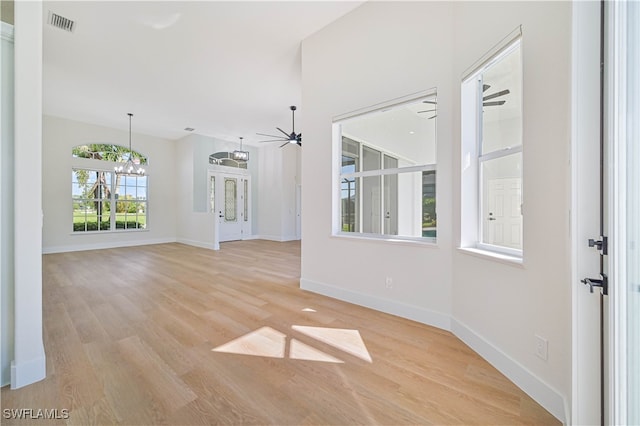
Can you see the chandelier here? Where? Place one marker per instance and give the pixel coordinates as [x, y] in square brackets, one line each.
[129, 168]
[241, 155]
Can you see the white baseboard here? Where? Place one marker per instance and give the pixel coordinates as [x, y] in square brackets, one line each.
[278, 238]
[26, 373]
[537, 389]
[404, 310]
[104, 245]
[201, 244]
[541, 392]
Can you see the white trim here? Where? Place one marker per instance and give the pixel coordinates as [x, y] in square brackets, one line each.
[536, 388]
[617, 110]
[394, 171]
[105, 245]
[412, 312]
[385, 238]
[380, 107]
[201, 244]
[26, 373]
[279, 238]
[6, 31]
[493, 54]
[493, 255]
[217, 168]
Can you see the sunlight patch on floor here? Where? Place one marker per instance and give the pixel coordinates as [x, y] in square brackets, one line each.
[271, 343]
[299, 350]
[265, 342]
[346, 340]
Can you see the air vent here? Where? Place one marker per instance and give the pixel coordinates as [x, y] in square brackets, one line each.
[61, 22]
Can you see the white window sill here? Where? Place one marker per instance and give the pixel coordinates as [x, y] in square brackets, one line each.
[117, 231]
[492, 255]
[422, 242]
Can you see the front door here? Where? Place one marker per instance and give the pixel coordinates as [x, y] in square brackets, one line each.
[231, 200]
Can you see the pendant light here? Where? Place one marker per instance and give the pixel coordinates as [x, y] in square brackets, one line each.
[241, 155]
[129, 168]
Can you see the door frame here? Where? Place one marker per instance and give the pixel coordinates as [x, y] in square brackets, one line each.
[218, 171]
[585, 352]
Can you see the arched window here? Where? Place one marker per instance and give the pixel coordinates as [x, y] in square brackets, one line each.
[226, 159]
[103, 201]
[108, 152]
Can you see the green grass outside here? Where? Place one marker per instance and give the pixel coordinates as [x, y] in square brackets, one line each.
[122, 222]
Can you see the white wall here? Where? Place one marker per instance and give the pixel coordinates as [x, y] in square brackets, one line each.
[500, 303]
[29, 361]
[196, 226]
[6, 205]
[279, 175]
[382, 51]
[378, 52]
[59, 137]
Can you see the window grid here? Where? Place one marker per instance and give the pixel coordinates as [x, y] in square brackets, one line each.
[97, 204]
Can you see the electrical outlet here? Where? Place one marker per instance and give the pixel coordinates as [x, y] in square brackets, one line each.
[388, 282]
[542, 347]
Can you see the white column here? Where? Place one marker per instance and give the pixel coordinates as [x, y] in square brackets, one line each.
[29, 358]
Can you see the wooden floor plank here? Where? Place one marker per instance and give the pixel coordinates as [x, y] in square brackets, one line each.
[192, 338]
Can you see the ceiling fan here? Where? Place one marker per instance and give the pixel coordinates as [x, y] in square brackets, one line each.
[486, 98]
[486, 87]
[288, 138]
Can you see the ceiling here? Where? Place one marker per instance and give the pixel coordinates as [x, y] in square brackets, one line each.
[226, 69]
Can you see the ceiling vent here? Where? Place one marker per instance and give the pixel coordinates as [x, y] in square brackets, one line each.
[61, 22]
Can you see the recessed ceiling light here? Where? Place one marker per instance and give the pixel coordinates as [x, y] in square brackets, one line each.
[189, 129]
[412, 132]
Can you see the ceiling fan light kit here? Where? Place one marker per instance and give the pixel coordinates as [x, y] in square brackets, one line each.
[293, 137]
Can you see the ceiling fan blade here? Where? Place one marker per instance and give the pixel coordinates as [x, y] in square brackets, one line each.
[431, 118]
[485, 87]
[299, 143]
[497, 94]
[275, 140]
[286, 143]
[430, 102]
[285, 133]
[494, 103]
[426, 110]
[271, 136]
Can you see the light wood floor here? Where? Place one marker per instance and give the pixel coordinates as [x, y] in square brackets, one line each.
[130, 335]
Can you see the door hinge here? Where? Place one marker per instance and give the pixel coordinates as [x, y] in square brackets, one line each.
[603, 283]
[602, 244]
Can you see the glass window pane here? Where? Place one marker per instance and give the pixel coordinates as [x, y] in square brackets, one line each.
[350, 156]
[246, 200]
[429, 221]
[371, 205]
[501, 89]
[370, 159]
[230, 200]
[212, 194]
[349, 204]
[501, 201]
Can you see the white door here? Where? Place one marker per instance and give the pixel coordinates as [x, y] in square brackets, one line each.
[503, 220]
[231, 200]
